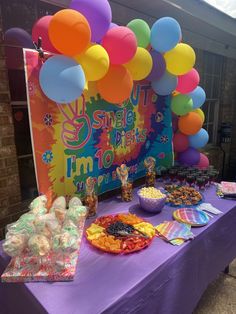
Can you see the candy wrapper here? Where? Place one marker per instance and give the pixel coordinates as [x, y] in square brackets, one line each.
[149, 164]
[44, 243]
[91, 199]
[126, 187]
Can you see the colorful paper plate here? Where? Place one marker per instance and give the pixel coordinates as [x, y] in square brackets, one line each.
[191, 216]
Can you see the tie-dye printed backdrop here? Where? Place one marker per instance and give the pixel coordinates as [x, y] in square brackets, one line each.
[91, 137]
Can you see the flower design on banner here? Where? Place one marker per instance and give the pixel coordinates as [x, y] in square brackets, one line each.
[47, 156]
[159, 116]
[161, 155]
[164, 139]
[48, 119]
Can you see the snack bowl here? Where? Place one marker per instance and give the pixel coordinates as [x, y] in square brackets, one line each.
[152, 205]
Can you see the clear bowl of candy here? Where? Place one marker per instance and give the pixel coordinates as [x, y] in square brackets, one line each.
[151, 199]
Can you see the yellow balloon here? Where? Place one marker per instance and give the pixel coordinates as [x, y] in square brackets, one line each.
[175, 93]
[180, 59]
[200, 113]
[141, 64]
[95, 62]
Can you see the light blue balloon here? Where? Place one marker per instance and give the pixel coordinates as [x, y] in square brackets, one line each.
[62, 79]
[165, 34]
[165, 85]
[198, 96]
[199, 140]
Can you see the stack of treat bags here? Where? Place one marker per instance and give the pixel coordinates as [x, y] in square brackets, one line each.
[174, 232]
[227, 189]
[42, 232]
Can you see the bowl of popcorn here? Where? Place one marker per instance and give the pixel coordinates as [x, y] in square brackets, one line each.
[151, 199]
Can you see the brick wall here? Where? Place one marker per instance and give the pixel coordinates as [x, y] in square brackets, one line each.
[9, 178]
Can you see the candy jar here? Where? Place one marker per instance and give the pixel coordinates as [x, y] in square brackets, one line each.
[126, 186]
[150, 164]
[91, 199]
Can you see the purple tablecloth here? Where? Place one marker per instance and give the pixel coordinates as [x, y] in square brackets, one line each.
[160, 279]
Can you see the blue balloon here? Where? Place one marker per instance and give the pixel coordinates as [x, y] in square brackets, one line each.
[198, 96]
[62, 79]
[165, 85]
[199, 140]
[165, 34]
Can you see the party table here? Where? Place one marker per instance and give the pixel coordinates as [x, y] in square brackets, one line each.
[161, 279]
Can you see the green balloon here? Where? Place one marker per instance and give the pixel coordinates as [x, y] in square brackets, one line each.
[181, 104]
[141, 31]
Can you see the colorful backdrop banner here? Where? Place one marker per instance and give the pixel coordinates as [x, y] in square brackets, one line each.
[91, 137]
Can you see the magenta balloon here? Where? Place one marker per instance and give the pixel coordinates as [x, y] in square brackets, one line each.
[98, 14]
[120, 44]
[18, 37]
[189, 157]
[180, 142]
[40, 29]
[158, 67]
[203, 162]
[188, 82]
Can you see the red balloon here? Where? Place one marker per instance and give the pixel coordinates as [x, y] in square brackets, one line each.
[188, 82]
[203, 162]
[40, 29]
[180, 142]
[120, 44]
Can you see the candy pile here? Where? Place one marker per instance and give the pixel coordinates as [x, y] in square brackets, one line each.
[41, 232]
[151, 192]
[121, 233]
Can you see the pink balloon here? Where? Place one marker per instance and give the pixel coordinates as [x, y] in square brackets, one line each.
[188, 82]
[40, 29]
[120, 44]
[203, 162]
[180, 142]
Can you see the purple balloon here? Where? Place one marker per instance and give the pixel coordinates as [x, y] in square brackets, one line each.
[98, 14]
[159, 66]
[112, 25]
[18, 37]
[189, 157]
[175, 120]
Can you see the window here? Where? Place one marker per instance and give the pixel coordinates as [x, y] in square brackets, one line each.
[211, 79]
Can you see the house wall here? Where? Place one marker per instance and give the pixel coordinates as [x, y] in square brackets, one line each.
[9, 177]
[228, 114]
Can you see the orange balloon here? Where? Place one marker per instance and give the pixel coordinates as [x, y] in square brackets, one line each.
[69, 32]
[190, 124]
[116, 86]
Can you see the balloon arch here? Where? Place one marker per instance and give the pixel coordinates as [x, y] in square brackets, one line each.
[87, 46]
